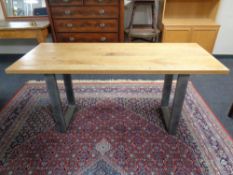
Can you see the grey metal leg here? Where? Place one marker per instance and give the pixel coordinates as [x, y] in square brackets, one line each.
[230, 114]
[171, 118]
[181, 86]
[69, 89]
[56, 102]
[70, 97]
[62, 121]
[166, 90]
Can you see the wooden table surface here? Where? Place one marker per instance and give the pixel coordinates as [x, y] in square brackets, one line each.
[117, 58]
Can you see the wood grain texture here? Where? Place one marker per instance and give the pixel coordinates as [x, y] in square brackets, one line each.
[25, 30]
[65, 3]
[191, 9]
[117, 58]
[86, 25]
[87, 37]
[189, 22]
[86, 20]
[101, 2]
[22, 25]
[205, 36]
[182, 18]
[84, 12]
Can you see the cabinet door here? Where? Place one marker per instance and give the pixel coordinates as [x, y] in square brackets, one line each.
[177, 34]
[205, 36]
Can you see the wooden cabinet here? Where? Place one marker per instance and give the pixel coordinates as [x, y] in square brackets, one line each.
[205, 36]
[86, 20]
[177, 34]
[190, 21]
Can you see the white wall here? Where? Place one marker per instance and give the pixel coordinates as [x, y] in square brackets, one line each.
[224, 42]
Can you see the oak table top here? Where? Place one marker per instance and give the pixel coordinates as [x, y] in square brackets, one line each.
[117, 58]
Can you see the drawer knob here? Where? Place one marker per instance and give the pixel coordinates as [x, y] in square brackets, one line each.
[71, 38]
[69, 25]
[65, 0]
[102, 39]
[102, 25]
[67, 12]
[101, 11]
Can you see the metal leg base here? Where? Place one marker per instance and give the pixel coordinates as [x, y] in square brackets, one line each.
[166, 116]
[62, 121]
[171, 117]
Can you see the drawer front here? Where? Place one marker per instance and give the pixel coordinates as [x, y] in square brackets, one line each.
[65, 2]
[101, 2]
[86, 25]
[87, 37]
[85, 12]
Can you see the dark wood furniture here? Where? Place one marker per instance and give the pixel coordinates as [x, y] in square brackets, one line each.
[141, 31]
[86, 20]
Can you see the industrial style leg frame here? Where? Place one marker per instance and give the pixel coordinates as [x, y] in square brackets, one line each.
[172, 117]
[62, 121]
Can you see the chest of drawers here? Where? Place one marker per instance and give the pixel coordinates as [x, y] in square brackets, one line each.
[86, 20]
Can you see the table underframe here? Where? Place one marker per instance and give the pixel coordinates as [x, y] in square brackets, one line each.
[171, 116]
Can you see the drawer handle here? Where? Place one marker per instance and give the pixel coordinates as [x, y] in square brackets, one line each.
[102, 25]
[101, 11]
[69, 25]
[100, 1]
[67, 12]
[102, 39]
[65, 0]
[71, 38]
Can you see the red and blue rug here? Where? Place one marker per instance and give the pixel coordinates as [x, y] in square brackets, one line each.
[117, 130]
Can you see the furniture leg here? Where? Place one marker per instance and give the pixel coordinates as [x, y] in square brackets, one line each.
[171, 118]
[131, 20]
[165, 99]
[166, 90]
[230, 114]
[41, 35]
[56, 102]
[182, 82]
[62, 121]
[69, 89]
[70, 98]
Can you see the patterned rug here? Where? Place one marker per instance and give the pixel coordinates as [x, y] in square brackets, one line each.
[116, 130]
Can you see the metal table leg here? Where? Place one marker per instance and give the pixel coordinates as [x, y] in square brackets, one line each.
[70, 97]
[166, 90]
[171, 118]
[62, 122]
[69, 89]
[230, 114]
